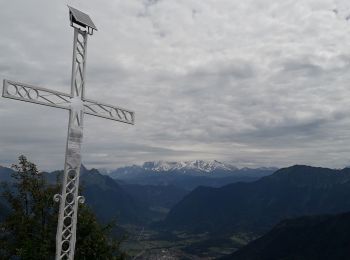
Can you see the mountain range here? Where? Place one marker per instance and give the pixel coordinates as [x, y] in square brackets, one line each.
[292, 201]
[187, 175]
[187, 167]
[111, 199]
[197, 166]
[257, 206]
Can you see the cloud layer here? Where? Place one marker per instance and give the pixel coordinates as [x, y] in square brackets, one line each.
[249, 82]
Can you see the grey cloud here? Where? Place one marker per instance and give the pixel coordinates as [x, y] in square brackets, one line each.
[306, 68]
[254, 84]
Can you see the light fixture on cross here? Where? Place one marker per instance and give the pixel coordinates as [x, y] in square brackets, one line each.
[77, 105]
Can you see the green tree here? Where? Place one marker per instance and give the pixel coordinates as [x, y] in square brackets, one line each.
[29, 231]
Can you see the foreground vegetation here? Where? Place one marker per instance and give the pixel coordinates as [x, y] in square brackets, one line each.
[28, 231]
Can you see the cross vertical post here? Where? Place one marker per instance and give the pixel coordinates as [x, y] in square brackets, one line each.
[78, 106]
[69, 199]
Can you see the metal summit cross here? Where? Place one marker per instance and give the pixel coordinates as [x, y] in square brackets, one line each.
[77, 105]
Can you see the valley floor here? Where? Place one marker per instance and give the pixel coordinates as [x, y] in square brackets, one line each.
[144, 243]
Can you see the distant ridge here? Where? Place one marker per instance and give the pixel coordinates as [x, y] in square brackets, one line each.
[195, 166]
[257, 206]
[5, 174]
[187, 174]
[103, 194]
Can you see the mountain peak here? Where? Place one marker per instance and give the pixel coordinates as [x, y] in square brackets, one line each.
[197, 165]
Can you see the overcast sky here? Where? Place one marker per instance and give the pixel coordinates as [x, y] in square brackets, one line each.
[254, 83]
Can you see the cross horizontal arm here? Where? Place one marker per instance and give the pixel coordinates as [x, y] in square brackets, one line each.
[99, 109]
[37, 95]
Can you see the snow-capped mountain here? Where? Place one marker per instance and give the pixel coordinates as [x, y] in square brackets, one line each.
[187, 174]
[197, 165]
